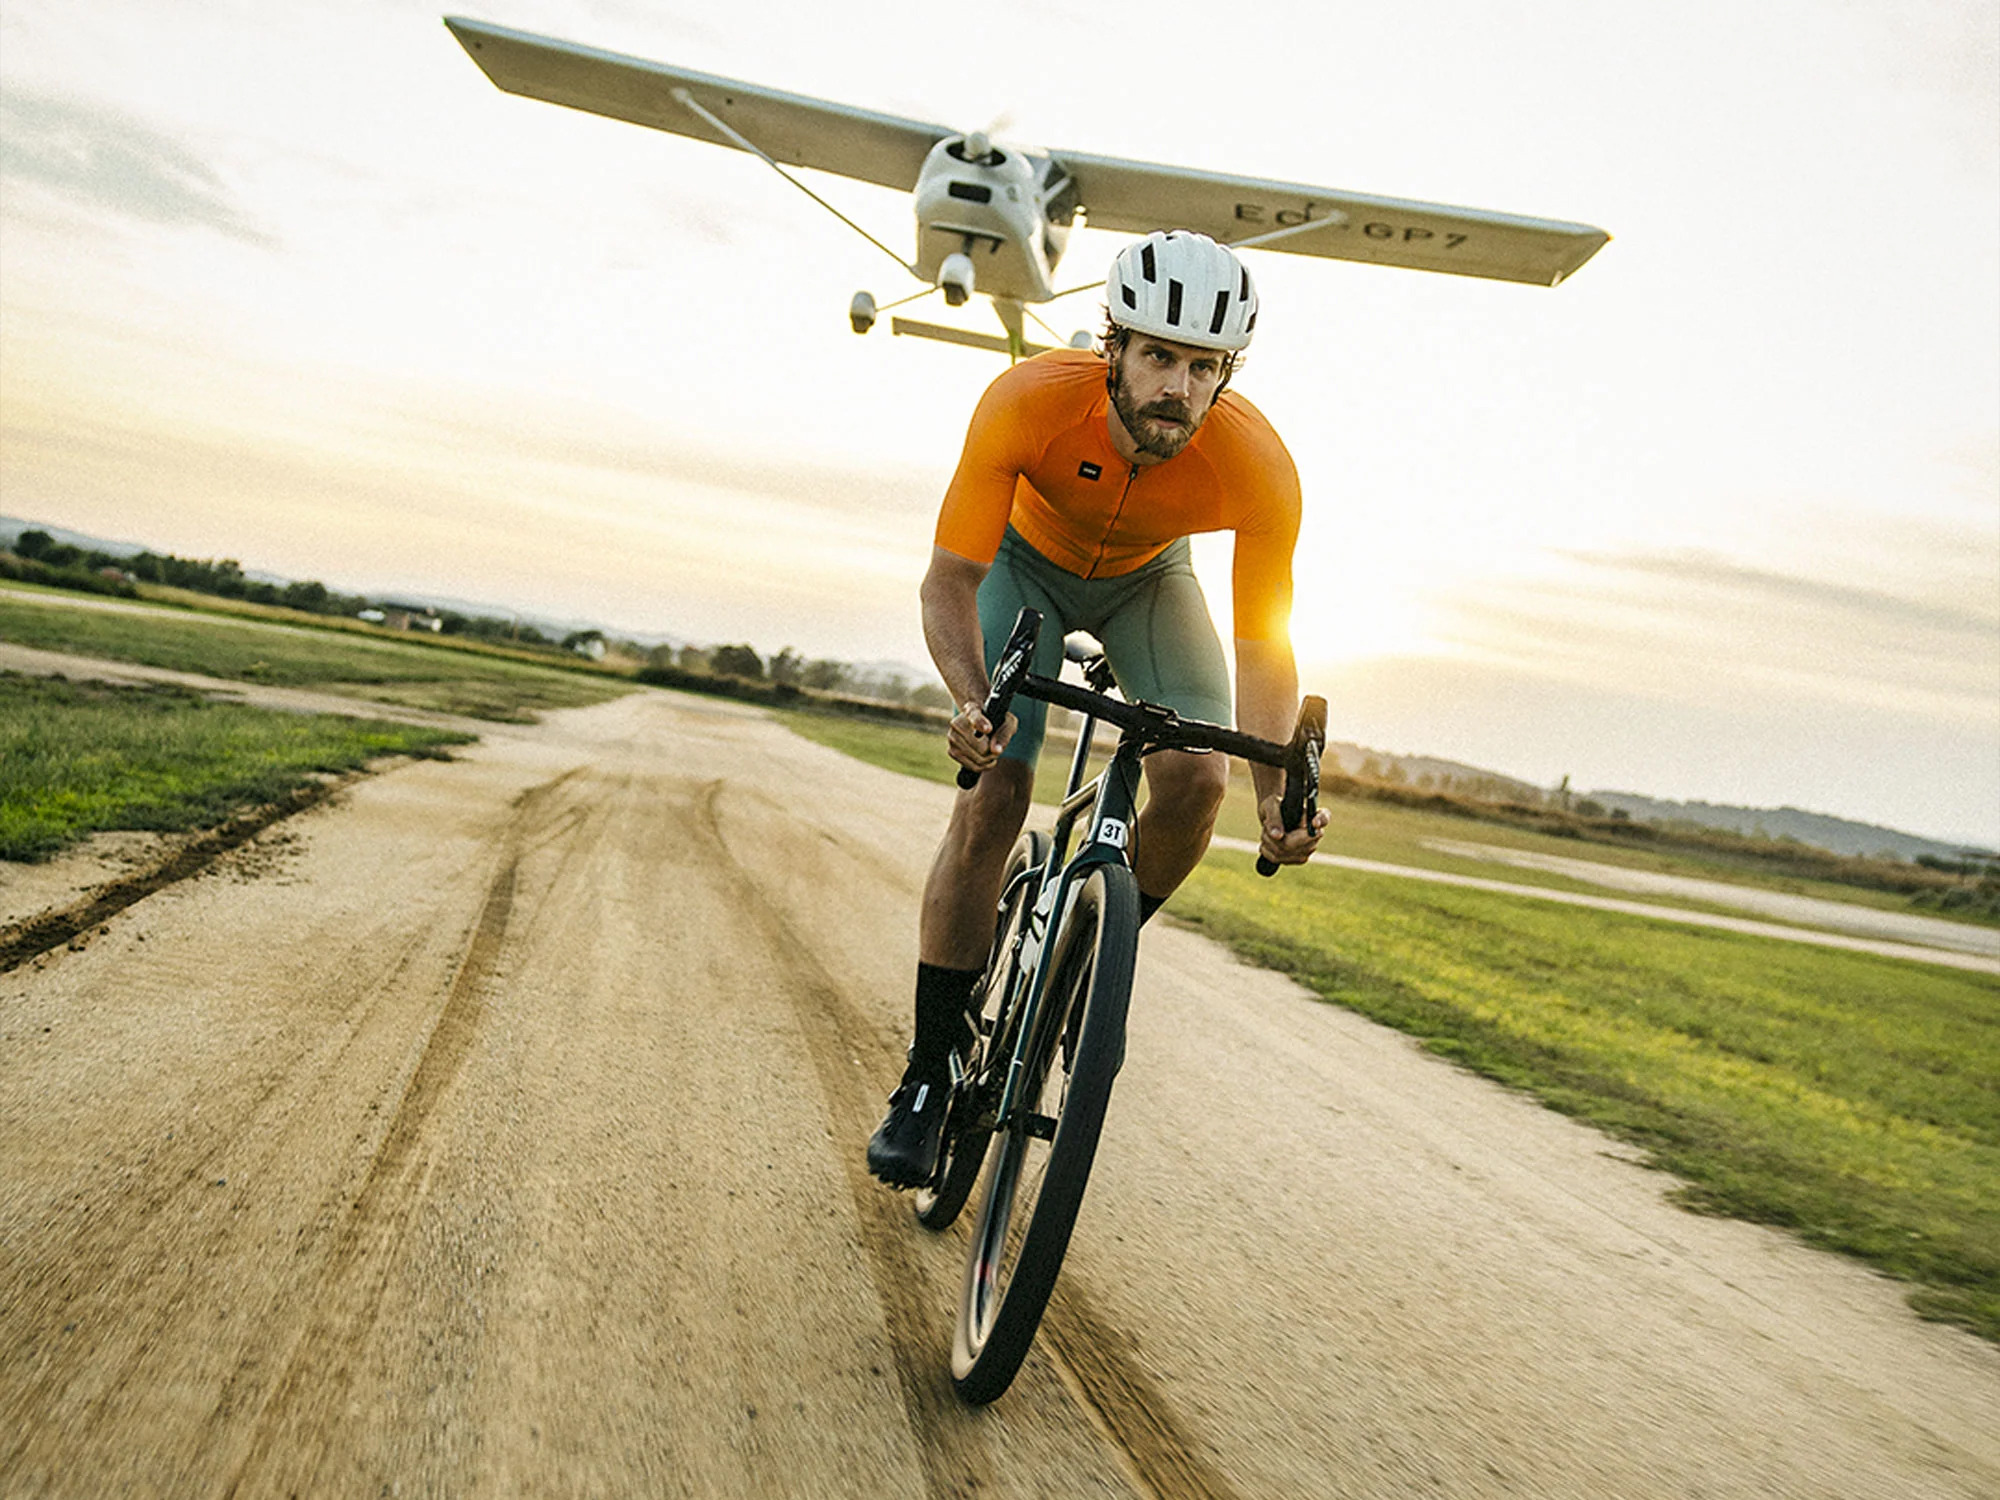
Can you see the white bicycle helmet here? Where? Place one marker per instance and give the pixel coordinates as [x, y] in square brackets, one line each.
[1176, 284]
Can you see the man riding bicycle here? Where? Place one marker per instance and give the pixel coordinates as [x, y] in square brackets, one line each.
[1081, 480]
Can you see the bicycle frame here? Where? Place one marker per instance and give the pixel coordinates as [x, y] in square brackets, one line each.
[1052, 1043]
[1111, 798]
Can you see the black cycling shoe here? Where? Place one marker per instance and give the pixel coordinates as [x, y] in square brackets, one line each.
[903, 1152]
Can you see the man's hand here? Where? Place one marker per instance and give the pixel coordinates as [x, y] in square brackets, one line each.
[1280, 847]
[974, 743]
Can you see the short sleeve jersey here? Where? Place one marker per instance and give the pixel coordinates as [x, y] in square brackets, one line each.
[1038, 456]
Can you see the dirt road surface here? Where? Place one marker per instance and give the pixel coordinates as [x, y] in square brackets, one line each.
[495, 1129]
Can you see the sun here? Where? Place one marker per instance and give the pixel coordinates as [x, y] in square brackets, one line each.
[1342, 610]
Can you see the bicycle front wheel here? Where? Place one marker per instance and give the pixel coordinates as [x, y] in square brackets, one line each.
[1039, 1161]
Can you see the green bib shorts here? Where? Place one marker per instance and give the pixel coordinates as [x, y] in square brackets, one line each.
[1153, 621]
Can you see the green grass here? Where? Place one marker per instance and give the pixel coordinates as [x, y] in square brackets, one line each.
[83, 758]
[907, 749]
[1854, 1100]
[415, 673]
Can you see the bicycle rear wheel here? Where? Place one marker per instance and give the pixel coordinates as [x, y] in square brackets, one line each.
[1038, 1165]
[939, 1201]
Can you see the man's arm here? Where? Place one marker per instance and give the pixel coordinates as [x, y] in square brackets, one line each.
[1267, 705]
[950, 596]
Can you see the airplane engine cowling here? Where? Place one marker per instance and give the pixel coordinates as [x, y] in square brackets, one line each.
[986, 207]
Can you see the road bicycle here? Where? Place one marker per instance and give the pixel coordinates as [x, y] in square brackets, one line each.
[1028, 1103]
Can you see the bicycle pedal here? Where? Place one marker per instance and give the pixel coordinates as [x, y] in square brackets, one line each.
[1041, 1127]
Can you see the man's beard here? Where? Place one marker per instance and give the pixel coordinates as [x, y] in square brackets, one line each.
[1152, 441]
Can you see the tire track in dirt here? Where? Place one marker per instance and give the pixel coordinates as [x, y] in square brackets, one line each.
[357, 1270]
[1116, 1398]
[126, 1254]
[953, 1454]
[37, 935]
[1123, 1403]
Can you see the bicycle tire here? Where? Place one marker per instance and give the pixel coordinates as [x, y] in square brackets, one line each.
[939, 1202]
[1034, 1186]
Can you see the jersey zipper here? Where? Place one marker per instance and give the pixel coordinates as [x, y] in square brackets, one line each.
[1131, 478]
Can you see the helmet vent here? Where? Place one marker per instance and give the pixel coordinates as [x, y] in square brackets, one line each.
[1221, 312]
[1174, 303]
[1146, 268]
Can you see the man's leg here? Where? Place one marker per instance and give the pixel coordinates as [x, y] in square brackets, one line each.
[964, 884]
[960, 897]
[1164, 648]
[1184, 793]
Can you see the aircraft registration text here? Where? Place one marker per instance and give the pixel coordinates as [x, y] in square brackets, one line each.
[1374, 229]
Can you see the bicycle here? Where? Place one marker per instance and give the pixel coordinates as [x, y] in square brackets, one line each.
[1027, 1105]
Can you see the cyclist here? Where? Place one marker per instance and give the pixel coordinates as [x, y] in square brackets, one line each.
[1082, 477]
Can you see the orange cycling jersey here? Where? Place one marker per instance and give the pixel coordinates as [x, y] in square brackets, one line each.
[1039, 456]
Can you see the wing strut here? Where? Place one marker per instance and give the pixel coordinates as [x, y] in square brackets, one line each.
[682, 97]
[1331, 220]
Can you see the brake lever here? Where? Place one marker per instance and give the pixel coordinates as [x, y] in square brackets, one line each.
[1300, 802]
[1007, 674]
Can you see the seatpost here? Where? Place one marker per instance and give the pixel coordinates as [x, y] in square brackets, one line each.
[1079, 761]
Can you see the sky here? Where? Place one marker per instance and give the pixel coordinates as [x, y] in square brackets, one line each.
[1717, 519]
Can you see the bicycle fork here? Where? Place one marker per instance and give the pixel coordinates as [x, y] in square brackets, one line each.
[1112, 800]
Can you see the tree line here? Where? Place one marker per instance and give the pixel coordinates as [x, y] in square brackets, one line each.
[37, 557]
[790, 669]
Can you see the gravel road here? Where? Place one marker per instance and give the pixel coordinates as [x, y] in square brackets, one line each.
[495, 1128]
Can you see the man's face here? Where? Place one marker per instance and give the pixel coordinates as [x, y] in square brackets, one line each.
[1161, 391]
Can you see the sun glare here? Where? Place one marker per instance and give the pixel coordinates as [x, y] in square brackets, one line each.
[1359, 620]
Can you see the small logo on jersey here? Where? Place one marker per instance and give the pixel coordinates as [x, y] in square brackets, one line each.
[1090, 470]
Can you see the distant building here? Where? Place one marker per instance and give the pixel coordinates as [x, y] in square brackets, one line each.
[405, 617]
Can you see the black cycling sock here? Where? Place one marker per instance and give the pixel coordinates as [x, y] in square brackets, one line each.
[942, 1023]
[1148, 905]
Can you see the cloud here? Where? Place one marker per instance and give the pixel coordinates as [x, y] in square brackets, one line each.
[104, 158]
[1707, 575]
[892, 502]
[1699, 628]
[1874, 762]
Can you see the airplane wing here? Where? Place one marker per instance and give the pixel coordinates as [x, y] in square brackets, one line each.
[1138, 197]
[791, 128]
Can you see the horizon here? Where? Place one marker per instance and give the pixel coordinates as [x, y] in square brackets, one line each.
[924, 673]
[1718, 517]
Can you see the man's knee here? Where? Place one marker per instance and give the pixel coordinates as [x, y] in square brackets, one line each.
[1190, 786]
[991, 814]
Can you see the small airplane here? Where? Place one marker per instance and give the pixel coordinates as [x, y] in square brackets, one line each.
[994, 217]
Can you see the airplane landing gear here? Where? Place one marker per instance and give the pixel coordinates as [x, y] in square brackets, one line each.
[955, 277]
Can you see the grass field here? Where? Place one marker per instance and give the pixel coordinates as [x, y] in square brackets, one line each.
[417, 673]
[83, 758]
[1854, 1100]
[1387, 832]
